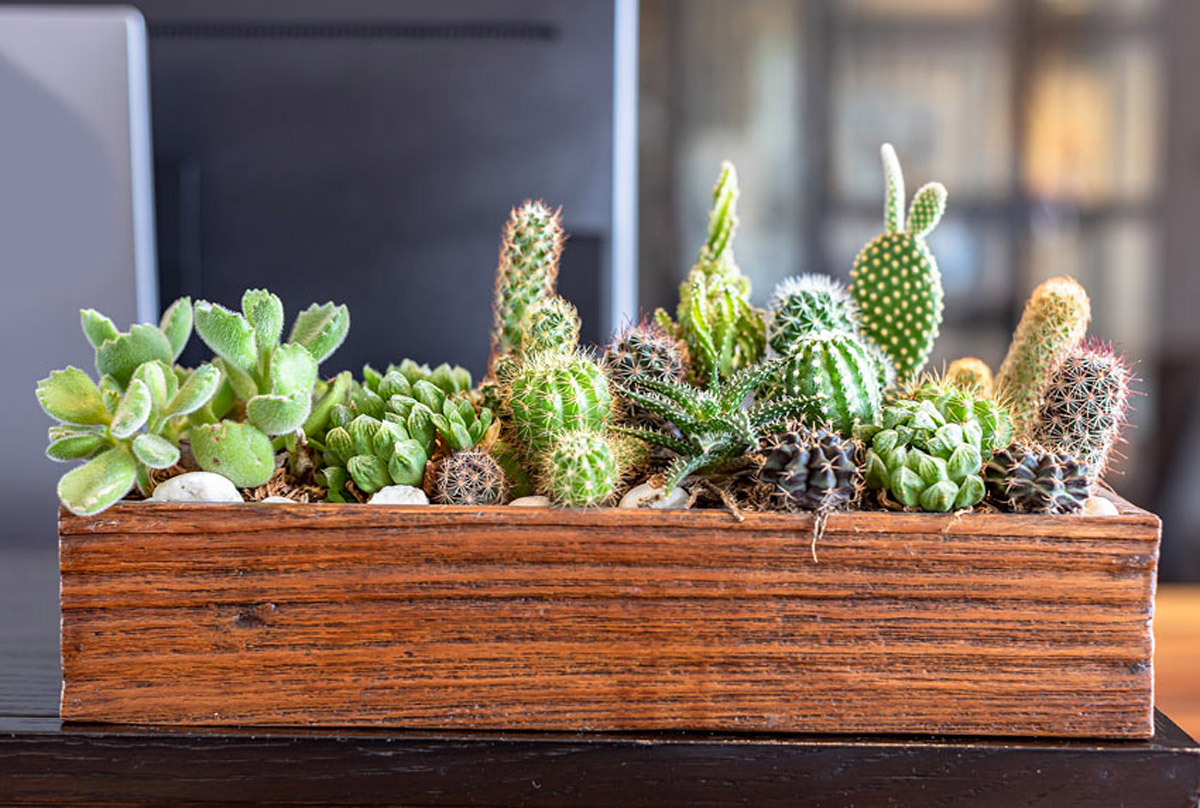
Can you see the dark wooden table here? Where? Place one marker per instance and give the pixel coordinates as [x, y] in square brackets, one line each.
[43, 762]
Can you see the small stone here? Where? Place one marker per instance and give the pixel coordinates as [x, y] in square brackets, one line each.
[196, 486]
[278, 499]
[531, 502]
[1099, 506]
[649, 496]
[398, 495]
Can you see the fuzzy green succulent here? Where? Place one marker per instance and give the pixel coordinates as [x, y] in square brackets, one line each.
[129, 423]
[895, 281]
[710, 427]
[931, 458]
[714, 300]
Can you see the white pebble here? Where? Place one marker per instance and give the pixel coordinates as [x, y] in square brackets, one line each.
[196, 486]
[398, 495]
[531, 502]
[1099, 506]
[649, 496]
[278, 499]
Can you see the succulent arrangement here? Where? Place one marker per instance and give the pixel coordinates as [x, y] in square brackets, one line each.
[818, 403]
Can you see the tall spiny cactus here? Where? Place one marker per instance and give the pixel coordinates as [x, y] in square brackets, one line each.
[895, 280]
[526, 274]
[1054, 321]
[716, 287]
[1085, 405]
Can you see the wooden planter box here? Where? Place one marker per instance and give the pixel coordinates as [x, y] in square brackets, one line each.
[538, 619]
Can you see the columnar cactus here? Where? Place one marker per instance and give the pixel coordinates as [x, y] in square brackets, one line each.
[811, 469]
[1054, 321]
[714, 300]
[805, 304]
[554, 393]
[579, 469]
[895, 280]
[971, 375]
[1029, 479]
[834, 371]
[527, 272]
[1085, 405]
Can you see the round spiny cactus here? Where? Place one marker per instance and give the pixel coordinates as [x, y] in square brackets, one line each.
[837, 371]
[579, 470]
[552, 324]
[553, 393]
[895, 281]
[1054, 321]
[1030, 479]
[803, 304]
[1085, 405]
[812, 469]
[644, 350]
[470, 477]
[527, 272]
[971, 375]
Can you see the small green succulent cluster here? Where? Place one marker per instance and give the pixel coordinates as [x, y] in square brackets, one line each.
[372, 453]
[131, 422]
[714, 300]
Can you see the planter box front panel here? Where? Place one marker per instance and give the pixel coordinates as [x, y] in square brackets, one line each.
[514, 618]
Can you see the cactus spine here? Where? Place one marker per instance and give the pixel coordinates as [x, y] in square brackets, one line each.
[714, 300]
[1055, 319]
[526, 274]
[470, 477]
[555, 393]
[834, 371]
[1085, 405]
[579, 469]
[971, 375]
[895, 280]
[804, 304]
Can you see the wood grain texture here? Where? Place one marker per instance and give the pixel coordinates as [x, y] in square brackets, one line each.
[506, 618]
[1177, 653]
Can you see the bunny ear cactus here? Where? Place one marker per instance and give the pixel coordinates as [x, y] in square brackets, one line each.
[722, 331]
[895, 280]
[1054, 321]
[122, 434]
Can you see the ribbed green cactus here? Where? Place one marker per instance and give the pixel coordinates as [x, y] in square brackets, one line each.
[1054, 321]
[972, 375]
[373, 454]
[552, 324]
[714, 300]
[554, 393]
[132, 421]
[1028, 479]
[711, 427]
[834, 371]
[470, 477]
[895, 280]
[579, 469]
[1085, 405]
[527, 272]
[804, 304]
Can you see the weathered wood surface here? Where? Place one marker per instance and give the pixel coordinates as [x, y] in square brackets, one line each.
[495, 618]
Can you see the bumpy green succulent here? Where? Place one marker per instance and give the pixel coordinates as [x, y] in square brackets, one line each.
[579, 470]
[553, 394]
[711, 427]
[812, 469]
[1054, 321]
[895, 280]
[714, 300]
[275, 380]
[960, 406]
[528, 269]
[450, 379]
[805, 304]
[372, 453]
[924, 459]
[1085, 406]
[834, 371]
[1029, 479]
[123, 429]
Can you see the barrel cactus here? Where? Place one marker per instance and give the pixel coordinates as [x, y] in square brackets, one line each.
[643, 349]
[552, 324]
[579, 469]
[1085, 405]
[835, 372]
[811, 468]
[895, 280]
[554, 393]
[1055, 319]
[805, 304]
[923, 459]
[470, 477]
[1029, 479]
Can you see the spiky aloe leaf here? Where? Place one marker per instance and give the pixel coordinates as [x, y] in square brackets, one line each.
[677, 445]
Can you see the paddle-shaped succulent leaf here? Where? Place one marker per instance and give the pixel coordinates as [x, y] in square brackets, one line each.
[118, 353]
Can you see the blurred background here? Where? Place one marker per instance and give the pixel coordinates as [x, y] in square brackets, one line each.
[367, 151]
